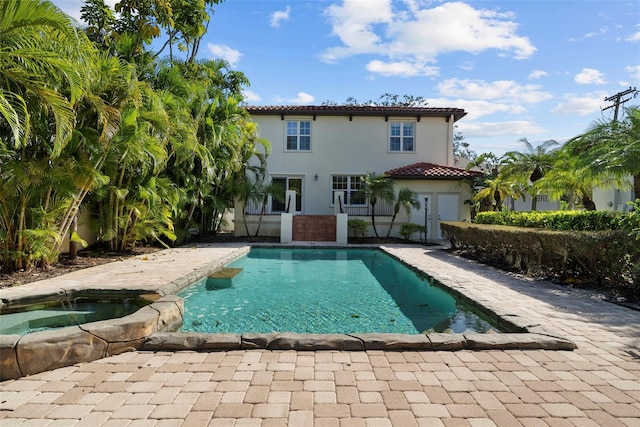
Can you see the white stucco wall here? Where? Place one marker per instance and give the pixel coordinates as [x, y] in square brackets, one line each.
[612, 199]
[524, 204]
[343, 147]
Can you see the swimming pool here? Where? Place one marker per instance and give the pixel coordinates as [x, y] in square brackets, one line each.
[324, 291]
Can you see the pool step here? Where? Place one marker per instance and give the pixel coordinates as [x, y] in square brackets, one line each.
[222, 278]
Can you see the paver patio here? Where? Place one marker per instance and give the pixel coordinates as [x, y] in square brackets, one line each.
[598, 384]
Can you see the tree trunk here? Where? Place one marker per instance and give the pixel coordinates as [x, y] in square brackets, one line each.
[393, 218]
[73, 245]
[373, 218]
[636, 186]
[588, 203]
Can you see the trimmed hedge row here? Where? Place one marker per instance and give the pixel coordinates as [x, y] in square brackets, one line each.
[562, 220]
[608, 258]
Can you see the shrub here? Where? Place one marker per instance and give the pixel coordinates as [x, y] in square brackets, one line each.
[608, 258]
[557, 220]
[358, 227]
[406, 230]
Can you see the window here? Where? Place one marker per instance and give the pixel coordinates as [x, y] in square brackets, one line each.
[542, 198]
[401, 136]
[349, 185]
[298, 135]
[287, 183]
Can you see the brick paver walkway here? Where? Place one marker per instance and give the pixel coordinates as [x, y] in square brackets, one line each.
[596, 385]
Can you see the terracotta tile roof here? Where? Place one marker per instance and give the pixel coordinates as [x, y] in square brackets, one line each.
[430, 171]
[356, 110]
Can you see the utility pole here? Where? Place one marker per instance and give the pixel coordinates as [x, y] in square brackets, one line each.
[617, 100]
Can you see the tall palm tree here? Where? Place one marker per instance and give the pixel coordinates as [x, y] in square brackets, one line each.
[530, 166]
[407, 199]
[611, 148]
[376, 186]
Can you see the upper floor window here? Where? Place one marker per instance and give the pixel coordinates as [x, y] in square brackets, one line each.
[401, 136]
[298, 135]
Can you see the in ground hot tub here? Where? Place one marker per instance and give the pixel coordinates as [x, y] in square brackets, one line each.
[48, 331]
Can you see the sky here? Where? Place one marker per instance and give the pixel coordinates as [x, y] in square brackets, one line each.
[538, 70]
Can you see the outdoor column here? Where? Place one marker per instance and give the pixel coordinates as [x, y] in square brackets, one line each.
[286, 218]
[342, 229]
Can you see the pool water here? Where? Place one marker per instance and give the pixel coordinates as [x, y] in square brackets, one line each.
[60, 314]
[324, 291]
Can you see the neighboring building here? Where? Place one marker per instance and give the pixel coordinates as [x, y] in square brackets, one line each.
[322, 152]
[614, 199]
[544, 203]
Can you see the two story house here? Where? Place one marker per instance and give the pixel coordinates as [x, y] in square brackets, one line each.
[322, 153]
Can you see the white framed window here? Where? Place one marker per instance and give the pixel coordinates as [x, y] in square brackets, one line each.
[349, 185]
[542, 198]
[298, 135]
[402, 136]
[287, 183]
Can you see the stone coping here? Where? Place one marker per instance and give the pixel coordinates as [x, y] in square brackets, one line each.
[195, 341]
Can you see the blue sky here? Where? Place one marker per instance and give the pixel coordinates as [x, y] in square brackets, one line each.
[521, 69]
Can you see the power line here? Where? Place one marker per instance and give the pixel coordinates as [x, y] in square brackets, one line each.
[617, 100]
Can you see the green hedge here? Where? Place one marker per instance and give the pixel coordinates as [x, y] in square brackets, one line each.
[609, 258]
[558, 220]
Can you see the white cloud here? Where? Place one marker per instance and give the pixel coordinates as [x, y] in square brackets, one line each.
[589, 76]
[634, 71]
[537, 74]
[467, 66]
[635, 37]
[251, 96]
[279, 16]
[225, 52]
[418, 35]
[501, 90]
[601, 32]
[402, 69]
[353, 23]
[581, 105]
[515, 128]
[302, 99]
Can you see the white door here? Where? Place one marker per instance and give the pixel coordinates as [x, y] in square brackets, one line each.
[448, 210]
[417, 215]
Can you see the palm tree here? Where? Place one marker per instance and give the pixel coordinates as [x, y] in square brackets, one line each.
[567, 179]
[530, 166]
[407, 199]
[611, 148]
[498, 189]
[39, 61]
[376, 186]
